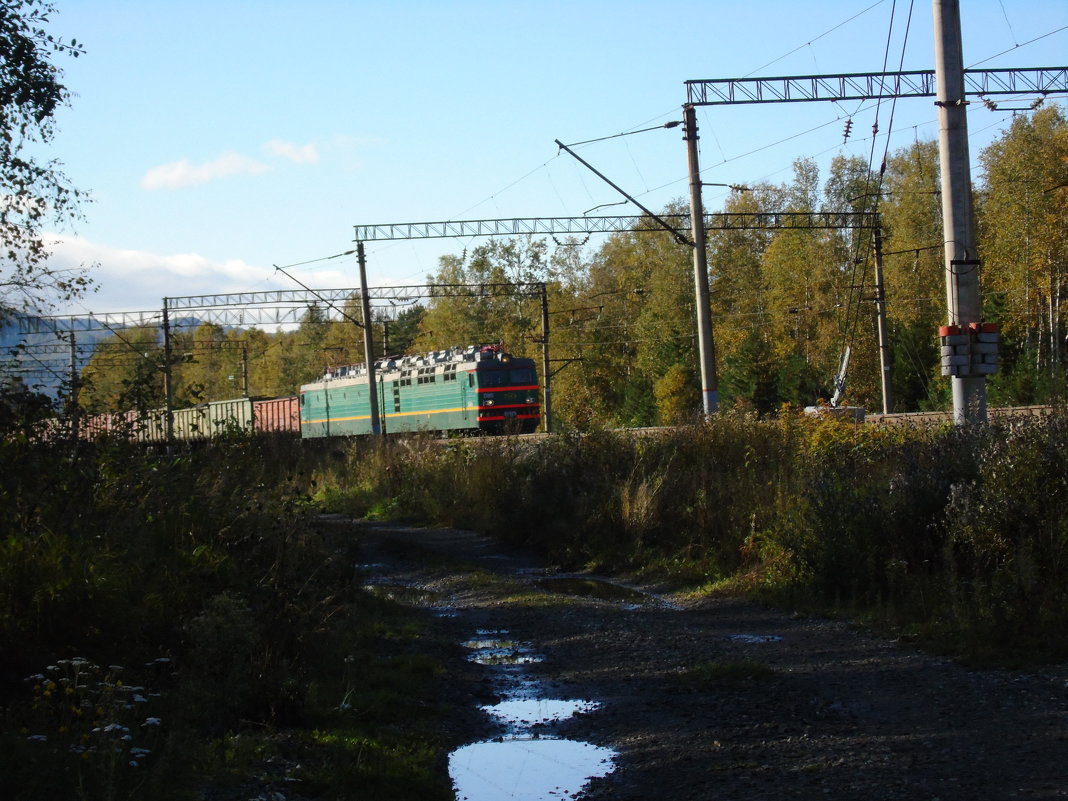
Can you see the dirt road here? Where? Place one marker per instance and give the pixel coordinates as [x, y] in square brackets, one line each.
[725, 699]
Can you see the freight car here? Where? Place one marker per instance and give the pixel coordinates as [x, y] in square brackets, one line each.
[277, 415]
[479, 388]
[203, 421]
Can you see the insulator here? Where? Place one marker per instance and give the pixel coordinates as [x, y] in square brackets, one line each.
[848, 128]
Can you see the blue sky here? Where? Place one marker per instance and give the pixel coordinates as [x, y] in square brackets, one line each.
[221, 138]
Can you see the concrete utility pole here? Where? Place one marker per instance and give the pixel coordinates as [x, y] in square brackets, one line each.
[73, 413]
[965, 336]
[168, 378]
[368, 346]
[546, 392]
[244, 370]
[880, 316]
[706, 345]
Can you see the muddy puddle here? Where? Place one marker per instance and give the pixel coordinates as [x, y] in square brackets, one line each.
[601, 590]
[592, 588]
[500, 652]
[754, 639]
[405, 594]
[527, 761]
[526, 769]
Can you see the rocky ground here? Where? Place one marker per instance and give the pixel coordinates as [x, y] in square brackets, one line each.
[725, 699]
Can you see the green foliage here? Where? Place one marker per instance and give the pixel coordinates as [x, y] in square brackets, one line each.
[36, 194]
[946, 532]
[785, 302]
[676, 395]
[1024, 218]
[124, 373]
[97, 734]
[747, 377]
[1007, 540]
[234, 613]
[473, 316]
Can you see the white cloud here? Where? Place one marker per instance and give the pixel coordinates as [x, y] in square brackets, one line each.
[181, 174]
[298, 154]
[138, 280]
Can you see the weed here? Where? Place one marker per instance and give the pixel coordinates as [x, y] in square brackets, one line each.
[951, 529]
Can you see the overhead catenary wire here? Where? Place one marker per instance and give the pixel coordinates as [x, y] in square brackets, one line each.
[861, 246]
[1008, 24]
[1017, 47]
[815, 39]
[671, 124]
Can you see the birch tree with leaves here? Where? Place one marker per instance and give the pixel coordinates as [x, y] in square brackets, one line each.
[35, 195]
[1024, 239]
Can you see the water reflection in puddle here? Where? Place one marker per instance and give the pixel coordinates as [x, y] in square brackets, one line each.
[524, 763]
[527, 713]
[754, 639]
[526, 769]
[500, 652]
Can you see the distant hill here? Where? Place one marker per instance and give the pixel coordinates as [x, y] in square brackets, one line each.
[41, 368]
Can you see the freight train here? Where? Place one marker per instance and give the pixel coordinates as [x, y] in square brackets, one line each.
[468, 390]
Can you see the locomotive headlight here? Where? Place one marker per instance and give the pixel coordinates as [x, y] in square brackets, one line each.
[487, 400]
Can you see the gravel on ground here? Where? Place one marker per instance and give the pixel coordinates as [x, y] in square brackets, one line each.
[723, 698]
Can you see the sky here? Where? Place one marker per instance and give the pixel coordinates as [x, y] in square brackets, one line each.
[221, 139]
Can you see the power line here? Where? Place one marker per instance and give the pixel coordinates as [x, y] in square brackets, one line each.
[671, 124]
[816, 39]
[1032, 41]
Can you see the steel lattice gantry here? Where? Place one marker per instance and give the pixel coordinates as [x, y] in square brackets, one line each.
[871, 85]
[950, 87]
[109, 321]
[300, 299]
[608, 224]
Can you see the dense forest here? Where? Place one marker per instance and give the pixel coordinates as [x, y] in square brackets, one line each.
[785, 303]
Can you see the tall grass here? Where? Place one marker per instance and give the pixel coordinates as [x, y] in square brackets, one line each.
[956, 534]
[202, 607]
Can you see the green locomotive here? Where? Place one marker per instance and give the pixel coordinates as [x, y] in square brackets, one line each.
[479, 388]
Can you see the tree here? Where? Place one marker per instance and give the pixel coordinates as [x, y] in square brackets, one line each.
[911, 216]
[124, 373]
[1024, 245]
[400, 333]
[635, 319]
[471, 317]
[592, 310]
[806, 277]
[33, 194]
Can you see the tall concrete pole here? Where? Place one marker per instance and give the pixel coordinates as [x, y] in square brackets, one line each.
[880, 309]
[958, 221]
[368, 345]
[547, 393]
[706, 346]
[73, 413]
[168, 378]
